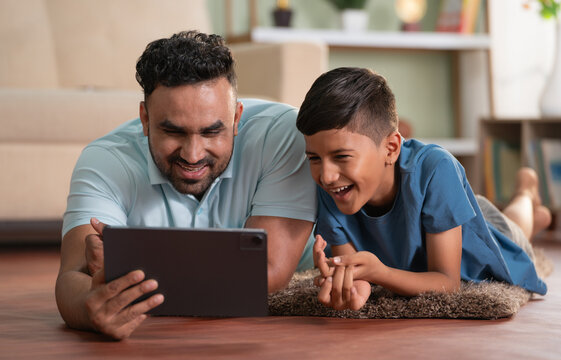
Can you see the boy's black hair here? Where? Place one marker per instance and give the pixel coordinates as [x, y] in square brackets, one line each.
[357, 99]
[188, 57]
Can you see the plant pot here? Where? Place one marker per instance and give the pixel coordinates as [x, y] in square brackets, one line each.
[282, 17]
[354, 20]
[550, 102]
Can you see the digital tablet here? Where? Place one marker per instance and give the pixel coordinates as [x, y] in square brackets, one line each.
[200, 272]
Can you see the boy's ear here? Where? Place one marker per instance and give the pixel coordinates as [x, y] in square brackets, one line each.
[393, 146]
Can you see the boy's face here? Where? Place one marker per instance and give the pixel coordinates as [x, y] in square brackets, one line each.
[352, 168]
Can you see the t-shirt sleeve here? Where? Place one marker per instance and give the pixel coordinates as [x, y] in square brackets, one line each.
[446, 204]
[100, 187]
[286, 188]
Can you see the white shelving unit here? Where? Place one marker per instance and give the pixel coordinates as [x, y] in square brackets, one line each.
[375, 39]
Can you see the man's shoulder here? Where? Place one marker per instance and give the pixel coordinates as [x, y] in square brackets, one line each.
[125, 144]
[130, 130]
[263, 113]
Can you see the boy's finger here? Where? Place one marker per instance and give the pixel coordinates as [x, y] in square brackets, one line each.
[337, 288]
[348, 284]
[319, 244]
[346, 260]
[324, 269]
[324, 295]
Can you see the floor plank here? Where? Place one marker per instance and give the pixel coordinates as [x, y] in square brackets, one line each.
[31, 328]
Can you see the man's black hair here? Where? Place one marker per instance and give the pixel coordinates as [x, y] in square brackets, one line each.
[186, 58]
[353, 98]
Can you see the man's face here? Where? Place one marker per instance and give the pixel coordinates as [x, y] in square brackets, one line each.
[351, 168]
[191, 131]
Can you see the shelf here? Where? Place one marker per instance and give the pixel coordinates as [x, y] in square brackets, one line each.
[524, 133]
[375, 39]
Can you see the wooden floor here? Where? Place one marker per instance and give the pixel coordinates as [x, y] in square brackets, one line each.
[31, 328]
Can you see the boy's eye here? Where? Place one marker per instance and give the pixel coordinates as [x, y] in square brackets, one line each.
[342, 157]
[313, 158]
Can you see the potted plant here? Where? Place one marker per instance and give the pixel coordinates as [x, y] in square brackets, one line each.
[282, 13]
[353, 15]
[550, 103]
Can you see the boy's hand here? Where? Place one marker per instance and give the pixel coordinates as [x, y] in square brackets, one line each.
[366, 266]
[320, 261]
[341, 292]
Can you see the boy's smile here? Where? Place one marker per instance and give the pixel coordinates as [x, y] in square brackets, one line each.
[352, 168]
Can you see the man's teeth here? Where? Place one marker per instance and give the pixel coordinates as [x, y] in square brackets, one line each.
[190, 169]
[338, 190]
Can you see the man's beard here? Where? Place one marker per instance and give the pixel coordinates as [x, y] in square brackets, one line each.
[197, 188]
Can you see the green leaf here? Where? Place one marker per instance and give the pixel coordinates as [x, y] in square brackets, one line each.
[348, 4]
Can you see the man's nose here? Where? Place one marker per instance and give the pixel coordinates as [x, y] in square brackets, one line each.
[192, 150]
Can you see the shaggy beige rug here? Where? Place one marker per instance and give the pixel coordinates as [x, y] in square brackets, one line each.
[485, 300]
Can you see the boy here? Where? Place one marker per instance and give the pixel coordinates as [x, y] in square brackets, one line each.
[401, 214]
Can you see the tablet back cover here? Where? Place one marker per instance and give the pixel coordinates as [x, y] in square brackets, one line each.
[200, 272]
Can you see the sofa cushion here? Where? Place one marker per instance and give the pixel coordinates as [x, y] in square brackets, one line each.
[64, 115]
[98, 42]
[27, 58]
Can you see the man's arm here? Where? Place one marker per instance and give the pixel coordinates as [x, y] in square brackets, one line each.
[85, 301]
[286, 239]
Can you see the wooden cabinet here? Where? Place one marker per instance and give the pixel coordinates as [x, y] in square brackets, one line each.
[521, 134]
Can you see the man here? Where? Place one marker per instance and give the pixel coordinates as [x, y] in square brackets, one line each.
[179, 166]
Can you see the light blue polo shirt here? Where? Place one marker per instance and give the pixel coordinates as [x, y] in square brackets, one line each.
[116, 180]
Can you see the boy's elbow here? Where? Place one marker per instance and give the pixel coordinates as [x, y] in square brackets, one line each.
[453, 286]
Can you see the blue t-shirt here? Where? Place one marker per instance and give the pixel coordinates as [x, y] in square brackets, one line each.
[433, 196]
[116, 180]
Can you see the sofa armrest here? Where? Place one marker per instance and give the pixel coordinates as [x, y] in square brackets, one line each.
[43, 133]
[64, 115]
[282, 72]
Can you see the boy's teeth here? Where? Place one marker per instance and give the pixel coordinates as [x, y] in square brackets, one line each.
[340, 189]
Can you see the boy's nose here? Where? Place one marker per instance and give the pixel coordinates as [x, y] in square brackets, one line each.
[329, 174]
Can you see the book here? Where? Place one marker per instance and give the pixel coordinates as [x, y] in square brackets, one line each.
[506, 162]
[449, 16]
[468, 18]
[488, 166]
[458, 16]
[551, 153]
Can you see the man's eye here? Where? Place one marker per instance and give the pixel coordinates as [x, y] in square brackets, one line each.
[313, 158]
[342, 157]
[172, 131]
[212, 132]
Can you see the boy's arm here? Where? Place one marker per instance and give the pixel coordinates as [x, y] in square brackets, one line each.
[85, 301]
[444, 255]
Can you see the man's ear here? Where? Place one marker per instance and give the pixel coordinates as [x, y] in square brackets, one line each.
[143, 111]
[237, 116]
[393, 146]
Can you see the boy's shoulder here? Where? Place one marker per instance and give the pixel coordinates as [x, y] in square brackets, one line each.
[417, 155]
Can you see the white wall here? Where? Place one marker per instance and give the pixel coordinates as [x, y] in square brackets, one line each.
[522, 56]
